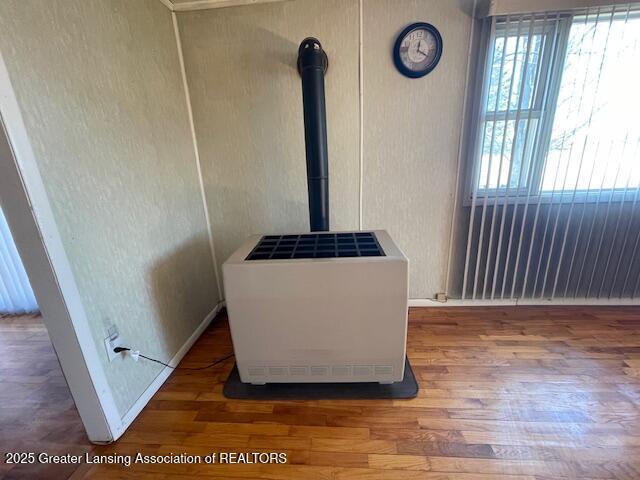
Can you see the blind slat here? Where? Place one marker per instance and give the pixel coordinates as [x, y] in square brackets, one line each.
[525, 142]
[538, 136]
[490, 54]
[490, 161]
[523, 82]
[580, 164]
[615, 233]
[501, 157]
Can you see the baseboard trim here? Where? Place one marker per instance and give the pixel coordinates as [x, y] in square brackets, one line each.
[612, 302]
[151, 390]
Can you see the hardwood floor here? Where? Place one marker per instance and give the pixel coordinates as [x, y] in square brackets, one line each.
[37, 413]
[505, 393]
[526, 393]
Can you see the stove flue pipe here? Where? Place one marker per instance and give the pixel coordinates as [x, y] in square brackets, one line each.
[312, 65]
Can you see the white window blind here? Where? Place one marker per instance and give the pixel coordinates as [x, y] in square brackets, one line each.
[510, 7]
[16, 295]
[555, 163]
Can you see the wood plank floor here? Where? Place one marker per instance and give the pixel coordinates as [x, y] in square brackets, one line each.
[526, 393]
[505, 393]
[37, 413]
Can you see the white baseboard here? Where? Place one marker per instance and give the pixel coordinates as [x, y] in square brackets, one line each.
[151, 390]
[618, 302]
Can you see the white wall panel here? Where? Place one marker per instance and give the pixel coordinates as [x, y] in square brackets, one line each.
[99, 86]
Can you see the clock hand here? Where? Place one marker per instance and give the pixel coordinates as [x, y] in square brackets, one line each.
[419, 50]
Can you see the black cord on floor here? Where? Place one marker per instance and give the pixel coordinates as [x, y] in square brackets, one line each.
[125, 349]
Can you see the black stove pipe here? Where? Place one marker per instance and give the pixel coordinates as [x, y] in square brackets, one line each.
[312, 65]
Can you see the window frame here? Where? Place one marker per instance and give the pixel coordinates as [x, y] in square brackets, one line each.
[544, 102]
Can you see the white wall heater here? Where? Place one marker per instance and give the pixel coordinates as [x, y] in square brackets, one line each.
[323, 306]
[318, 307]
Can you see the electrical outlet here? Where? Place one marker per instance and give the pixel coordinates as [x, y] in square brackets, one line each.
[111, 342]
[441, 297]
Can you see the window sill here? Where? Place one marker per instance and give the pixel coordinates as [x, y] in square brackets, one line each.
[606, 196]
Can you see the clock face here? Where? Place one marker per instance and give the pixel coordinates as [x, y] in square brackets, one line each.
[418, 50]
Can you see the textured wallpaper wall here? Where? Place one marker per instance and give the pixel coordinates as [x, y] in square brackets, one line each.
[99, 85]
[411, 135]
[247, 105]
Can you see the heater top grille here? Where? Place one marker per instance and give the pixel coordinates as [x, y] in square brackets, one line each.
[317, 245]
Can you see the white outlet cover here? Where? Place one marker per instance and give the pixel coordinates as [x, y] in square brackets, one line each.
[110, 343]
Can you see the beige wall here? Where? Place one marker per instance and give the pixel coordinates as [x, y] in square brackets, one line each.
[99, 86]
[247, 105]
[411, 135]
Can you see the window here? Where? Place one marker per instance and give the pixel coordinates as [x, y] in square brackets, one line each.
[558, 113]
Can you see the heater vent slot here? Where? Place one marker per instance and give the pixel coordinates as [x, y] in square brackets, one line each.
[362, 370]
[317, 245]
[319, 371]
[383, 370]
[256, 371]
[341, 370]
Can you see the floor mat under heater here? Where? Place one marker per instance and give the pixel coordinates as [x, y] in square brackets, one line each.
[407, 388]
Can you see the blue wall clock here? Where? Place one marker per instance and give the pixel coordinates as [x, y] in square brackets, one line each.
[417, 50]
